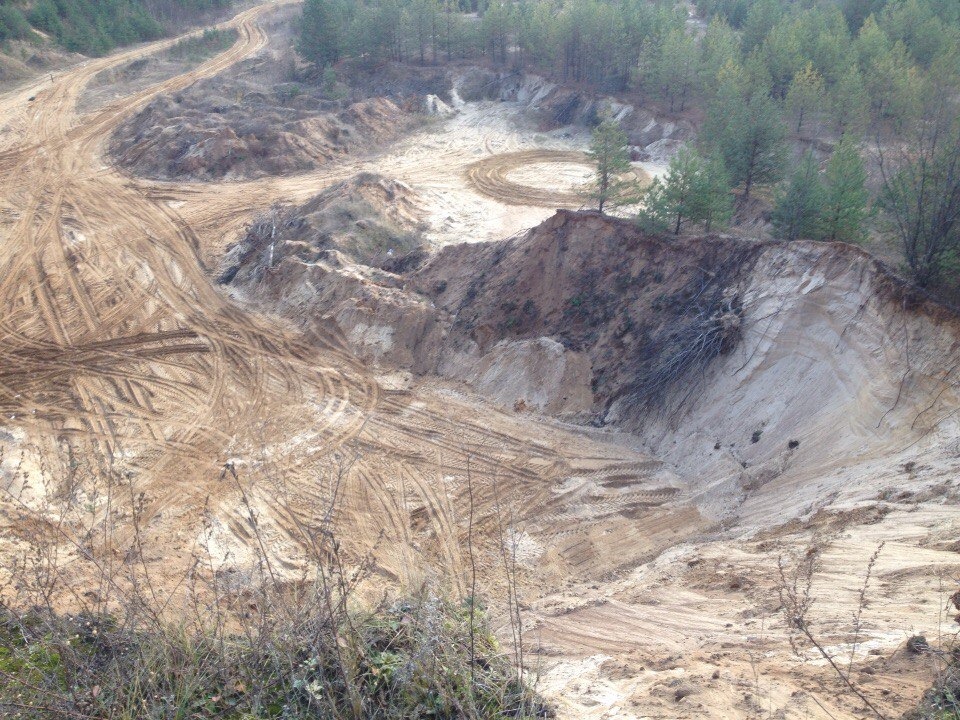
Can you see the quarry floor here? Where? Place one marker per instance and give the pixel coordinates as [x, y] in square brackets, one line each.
[117, 347]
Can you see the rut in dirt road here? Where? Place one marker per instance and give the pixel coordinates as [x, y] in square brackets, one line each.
[100, 286]
[118, 349]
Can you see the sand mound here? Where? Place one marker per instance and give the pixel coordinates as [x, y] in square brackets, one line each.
[717, 350]
[266, 118]
[698, 341]
[201, 136]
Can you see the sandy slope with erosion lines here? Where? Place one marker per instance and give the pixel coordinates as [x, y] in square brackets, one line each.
[119, 359]
[117, 351]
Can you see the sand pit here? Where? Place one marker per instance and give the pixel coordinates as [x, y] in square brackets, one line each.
[645, 562]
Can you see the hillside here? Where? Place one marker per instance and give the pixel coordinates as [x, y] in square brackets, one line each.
[44, 35]
[790, 398]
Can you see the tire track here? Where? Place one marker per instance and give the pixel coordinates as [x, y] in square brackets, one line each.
[121, 345]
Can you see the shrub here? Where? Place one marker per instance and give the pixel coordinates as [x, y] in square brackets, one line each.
[200, 47]
[13, 25]
[235, 643]
[411, 659]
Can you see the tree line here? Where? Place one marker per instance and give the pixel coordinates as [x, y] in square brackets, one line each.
[375, 31]
[852, 81]
[874, 80]
[95, 27]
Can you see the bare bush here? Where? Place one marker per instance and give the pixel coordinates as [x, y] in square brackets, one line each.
[708, 327]
[796, 601]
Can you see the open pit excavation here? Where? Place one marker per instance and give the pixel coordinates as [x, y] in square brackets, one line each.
[621, 433]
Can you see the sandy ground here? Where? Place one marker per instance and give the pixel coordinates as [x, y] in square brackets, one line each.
[437, 163]
[116, 348]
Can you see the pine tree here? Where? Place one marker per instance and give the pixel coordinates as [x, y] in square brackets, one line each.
[495, 27]
[322, 34]
[422, 20]
[714, 205]
[889, 74]
[804, 96]
[13, 24]
[676, 69]
[693, 190]
[609, 152]
[762, 16]
[848, 103]
[921, 199]
[845, 202]
[799, 204]
[748, 135]
[719, 45]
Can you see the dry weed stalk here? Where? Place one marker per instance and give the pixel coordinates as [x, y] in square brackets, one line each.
[221, 640]
[796, 600]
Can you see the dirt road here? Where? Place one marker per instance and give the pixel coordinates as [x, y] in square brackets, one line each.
[114, 341]
[117, 350]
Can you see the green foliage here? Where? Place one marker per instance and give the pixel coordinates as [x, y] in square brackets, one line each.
[611, 156]
[845, 197]
[747, 133]
[870, 55]
[200, 47]
[719, 47]
[95, 27]
[423, 658]
[921, 198]
[374, 31]
[13, 25]
[495, 31]
[831, 206]
[805, 97]
[848, 102]
[891, 79]
[799, 204]
[921, 29]
[693, 190]
[761, 19]
[675, 69]
[595, 41]
[323, 34]
[330, 84]
[811, 53]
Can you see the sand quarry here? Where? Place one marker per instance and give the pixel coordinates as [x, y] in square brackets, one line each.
[646, 538]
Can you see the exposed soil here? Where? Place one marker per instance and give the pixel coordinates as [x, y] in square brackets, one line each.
[261, 119]
[554, 106]
[646, 550]
[186, 137]
[369, 219]
[21, 61]
[24, 60]
[506, 177]
[141, 73]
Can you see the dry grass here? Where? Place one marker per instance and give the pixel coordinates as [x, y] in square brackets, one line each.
[246, 645]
